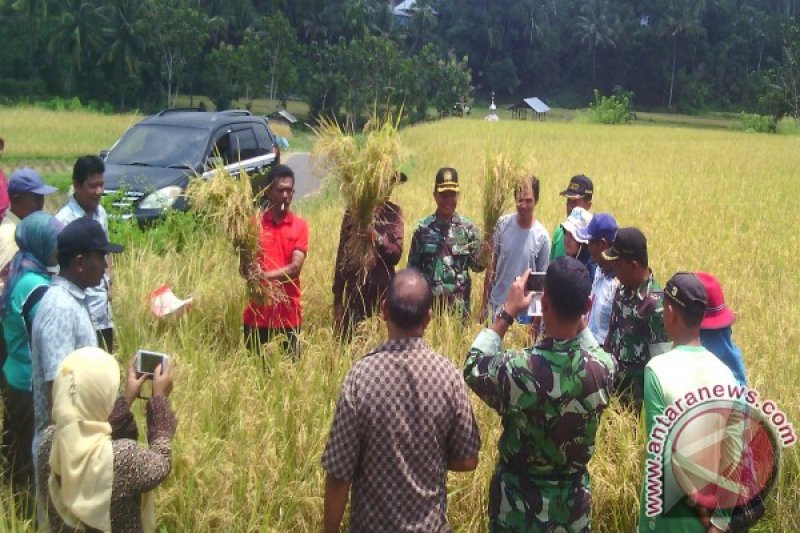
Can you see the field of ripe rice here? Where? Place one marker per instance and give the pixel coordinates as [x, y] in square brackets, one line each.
[246, 455]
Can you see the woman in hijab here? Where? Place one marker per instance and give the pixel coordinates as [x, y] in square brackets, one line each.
[96, 475]
[29, 276]
[715, 329]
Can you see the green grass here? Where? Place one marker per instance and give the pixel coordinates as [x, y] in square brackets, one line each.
[246, 454]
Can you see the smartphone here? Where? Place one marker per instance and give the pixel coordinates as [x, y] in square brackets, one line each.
[147, 361]
[535, 282]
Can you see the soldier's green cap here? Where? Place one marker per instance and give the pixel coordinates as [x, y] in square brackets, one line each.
[446, 180]
[687, 291]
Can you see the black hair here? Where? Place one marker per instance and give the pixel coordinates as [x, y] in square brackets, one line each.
[568, 287]
[689, 319]
[279, 171]
[85, 166]
[408, 311]
[534, 188]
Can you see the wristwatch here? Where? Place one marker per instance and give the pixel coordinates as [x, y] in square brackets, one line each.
[503, 315]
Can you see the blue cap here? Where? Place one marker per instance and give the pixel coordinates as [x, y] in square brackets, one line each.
[28, 180]
[602, 226]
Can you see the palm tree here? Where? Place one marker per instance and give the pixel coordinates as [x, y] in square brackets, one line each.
[597, 26]
[682, 17]
[76, 34]
[125, 44]
[35, 11]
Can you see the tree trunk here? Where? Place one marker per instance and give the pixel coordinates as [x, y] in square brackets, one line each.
[674, 60]
[594, 66]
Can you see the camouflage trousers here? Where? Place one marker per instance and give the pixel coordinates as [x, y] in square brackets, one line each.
[522, 503]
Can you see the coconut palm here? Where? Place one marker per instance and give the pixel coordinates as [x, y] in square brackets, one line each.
[597, 26]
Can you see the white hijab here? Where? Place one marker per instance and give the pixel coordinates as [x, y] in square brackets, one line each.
[81, 458]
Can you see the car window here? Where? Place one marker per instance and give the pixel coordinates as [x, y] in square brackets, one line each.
[159, 145]
[265, 140]
[222, 148]
[243, 145]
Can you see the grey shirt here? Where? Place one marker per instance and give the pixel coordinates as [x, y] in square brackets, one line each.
[61, 326]
[516, 249]
[96, 297]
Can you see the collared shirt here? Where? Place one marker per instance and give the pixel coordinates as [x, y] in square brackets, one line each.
[402, 414]
[516, 249]
[61, 326]
[354, 287]
[8, 243]
[636, 328]
[445, 252]
[604, 287]
[277, 244]
[550, 398]
[96, 297]
[671, 377]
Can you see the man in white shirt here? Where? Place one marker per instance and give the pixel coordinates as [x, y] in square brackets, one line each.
[600, 234]
[88, 184]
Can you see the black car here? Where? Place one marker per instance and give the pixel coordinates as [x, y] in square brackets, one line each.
[149, 167]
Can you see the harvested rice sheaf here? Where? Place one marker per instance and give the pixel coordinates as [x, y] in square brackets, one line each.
[503, 173]
[365, 167]
[231, 204]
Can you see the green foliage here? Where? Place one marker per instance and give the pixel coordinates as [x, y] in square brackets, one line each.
[57, 103]
[788, 126]
[170, 234]
[614, 109]
[753, 123]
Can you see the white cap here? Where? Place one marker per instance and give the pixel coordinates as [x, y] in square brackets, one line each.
[578, 219]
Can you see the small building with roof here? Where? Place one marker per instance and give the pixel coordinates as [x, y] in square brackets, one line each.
[538, 109]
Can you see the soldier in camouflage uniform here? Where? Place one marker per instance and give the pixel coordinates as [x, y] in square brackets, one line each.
[445, 247]
[636, 328]
[550, 398]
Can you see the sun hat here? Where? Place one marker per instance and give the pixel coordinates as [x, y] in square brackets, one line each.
[578, 220]
[718, 315]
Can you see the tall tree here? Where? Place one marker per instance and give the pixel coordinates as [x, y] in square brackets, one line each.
[681, 18]
[78, 34]
[179, 31]
[597, 26]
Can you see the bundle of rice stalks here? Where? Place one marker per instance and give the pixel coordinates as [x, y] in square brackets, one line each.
[230, 203]
[503, 173]
[365, 167]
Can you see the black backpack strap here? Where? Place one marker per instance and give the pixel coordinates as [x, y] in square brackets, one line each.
[32, 299]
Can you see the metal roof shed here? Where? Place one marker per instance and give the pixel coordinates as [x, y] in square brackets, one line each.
[539, 108]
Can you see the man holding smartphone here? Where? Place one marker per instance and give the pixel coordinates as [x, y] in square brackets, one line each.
[541, 481]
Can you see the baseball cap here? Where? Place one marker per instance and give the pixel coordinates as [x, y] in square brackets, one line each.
[718, 315]
[28, 180]
[580, 186]
[602, 226]
[628, 243]
[686, 290]
[578, 220]
[85, 235]
[446, 180]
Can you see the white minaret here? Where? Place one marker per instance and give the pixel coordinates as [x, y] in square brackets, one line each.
[492, 116]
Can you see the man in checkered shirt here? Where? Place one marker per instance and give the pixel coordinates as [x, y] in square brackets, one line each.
[402, 420]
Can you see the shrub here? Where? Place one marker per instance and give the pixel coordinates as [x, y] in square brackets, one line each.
[753, 123]
[614, 109]
[788, 126]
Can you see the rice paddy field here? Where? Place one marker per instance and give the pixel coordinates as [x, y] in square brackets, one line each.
[246, 454]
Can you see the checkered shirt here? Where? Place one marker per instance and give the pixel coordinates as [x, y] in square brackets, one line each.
[402, 414]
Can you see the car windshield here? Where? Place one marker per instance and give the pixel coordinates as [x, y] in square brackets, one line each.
[159, 145]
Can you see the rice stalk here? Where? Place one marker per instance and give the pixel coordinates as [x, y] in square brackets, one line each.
[503, 173]
[365, 168]
[231, 204]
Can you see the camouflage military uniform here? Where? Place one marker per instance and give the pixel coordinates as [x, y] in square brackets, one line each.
[550, 399]
[635, 334]
[445, 252]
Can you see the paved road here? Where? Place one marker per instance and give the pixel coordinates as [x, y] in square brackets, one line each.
[305, 182]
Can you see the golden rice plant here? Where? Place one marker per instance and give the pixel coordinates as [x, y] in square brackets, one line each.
[365, 167]
[504, 171]
[231, 204]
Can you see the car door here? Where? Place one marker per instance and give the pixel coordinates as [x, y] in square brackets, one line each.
[240, 151]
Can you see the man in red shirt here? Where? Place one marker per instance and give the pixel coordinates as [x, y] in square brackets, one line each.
[282, 251]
